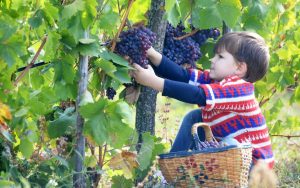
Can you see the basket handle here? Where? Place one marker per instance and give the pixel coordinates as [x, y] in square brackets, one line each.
[208, 134]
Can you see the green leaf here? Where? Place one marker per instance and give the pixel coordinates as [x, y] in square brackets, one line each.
[65, 91]
[86, 98]
[121, 182]
[95, 128]
[37, 19]
[51, 46]
[90, 161]
[51, 13]
[59, 126]
[62, 161]
[23, 111]
[92, 109]
[105, 54]
[230, 11]
[120, 134]
[109, 21]
[75, 28]
[26, 148]
[174, 14]
[37, 107]
[145, 154]
[87, 41]
[205, 3]
[124, 110]
[122, 75]
[169, 5]
[89, 13]
[215, 19]
[297, 35]
[64, 71]
[185, 8]
[297, 94]
[90, 49]
[118, 59]
[7, 28]
[6, 184]
[108, 67]
[71, 9]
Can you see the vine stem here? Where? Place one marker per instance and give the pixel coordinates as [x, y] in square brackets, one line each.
[187, 35]
[263, 100]
[32, 61]
[286, 136]
[113, 46]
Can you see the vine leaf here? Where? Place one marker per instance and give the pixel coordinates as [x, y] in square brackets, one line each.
[72, 9]
[132, 94]
[4, 114]
[126, 161]
[145, 153]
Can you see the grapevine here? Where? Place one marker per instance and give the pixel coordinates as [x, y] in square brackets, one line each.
[180, 51]
[134, 43]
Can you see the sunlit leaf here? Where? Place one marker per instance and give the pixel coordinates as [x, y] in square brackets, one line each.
[126, 161]
[26, 148]
[71, 9]
[145, 154]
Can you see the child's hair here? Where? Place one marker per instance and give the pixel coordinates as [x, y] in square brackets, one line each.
[246, 47]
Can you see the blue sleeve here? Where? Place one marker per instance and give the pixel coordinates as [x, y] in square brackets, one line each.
[184, 92]
[170, 70]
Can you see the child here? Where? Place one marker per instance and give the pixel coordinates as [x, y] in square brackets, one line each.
[225, 93]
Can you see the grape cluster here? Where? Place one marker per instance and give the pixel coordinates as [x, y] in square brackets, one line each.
[186, 50]
[110, 93]
[180, 51]
[201, 36]
[134, 43]
[200, 145]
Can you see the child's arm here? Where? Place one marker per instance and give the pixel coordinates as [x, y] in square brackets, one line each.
[165, 68]
[178, 90]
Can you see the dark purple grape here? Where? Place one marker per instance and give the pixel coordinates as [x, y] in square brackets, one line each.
[134, 43]
[110, 93]
[180, 51]
[201, 36]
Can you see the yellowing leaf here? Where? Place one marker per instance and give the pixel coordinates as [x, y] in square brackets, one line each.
[132, 94]
[4, 114]
[126, 161]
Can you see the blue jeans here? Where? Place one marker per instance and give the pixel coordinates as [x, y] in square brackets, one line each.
[184, 140]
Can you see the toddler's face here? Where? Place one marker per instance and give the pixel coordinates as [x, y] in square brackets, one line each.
[223, 64]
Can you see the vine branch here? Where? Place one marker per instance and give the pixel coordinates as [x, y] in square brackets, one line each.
[264, 100]
[187, 35]
[122, 25]
[32, 61]
[286, 136]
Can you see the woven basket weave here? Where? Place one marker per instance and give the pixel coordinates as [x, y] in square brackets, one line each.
[227, 166]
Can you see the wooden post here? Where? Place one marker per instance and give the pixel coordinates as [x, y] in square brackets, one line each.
[78, 177]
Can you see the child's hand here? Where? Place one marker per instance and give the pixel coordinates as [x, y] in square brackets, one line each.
[154, 56]
[147, 77]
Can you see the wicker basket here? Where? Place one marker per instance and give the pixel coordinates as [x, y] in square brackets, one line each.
[226, 166]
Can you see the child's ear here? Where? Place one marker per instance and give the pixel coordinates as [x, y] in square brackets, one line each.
[241, 69]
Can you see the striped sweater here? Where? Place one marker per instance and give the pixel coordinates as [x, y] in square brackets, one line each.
[232, 111]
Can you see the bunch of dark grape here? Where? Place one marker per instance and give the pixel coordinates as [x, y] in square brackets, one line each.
[200, 145]
[134, 43]
[110, 93]
[201, 36]
[181, 51]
